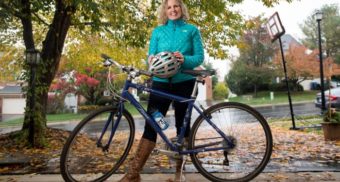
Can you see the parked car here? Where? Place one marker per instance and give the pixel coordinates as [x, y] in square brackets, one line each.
[332, 96]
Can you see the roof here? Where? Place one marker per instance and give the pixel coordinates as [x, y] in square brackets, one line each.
[11, 90]
[287, 39]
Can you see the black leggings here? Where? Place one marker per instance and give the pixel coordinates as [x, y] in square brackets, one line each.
[183, 89]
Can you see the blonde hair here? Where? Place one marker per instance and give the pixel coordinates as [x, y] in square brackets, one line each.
[163, 18]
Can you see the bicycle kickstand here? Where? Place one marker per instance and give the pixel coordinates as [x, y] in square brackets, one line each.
[182, 167]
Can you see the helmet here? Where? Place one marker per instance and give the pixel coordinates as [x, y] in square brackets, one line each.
[164, 65]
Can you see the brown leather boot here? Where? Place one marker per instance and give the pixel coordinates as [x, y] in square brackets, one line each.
[136, 164]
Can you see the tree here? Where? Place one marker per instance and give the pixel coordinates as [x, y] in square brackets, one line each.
[9, 67]
[85, 53]
[252, 68]
[57, 17]
[330, 31]
[45, 25]
[299, 63]
[244, 78]
[82, 60]
[91, 86]
[60, 87]
[88, 83]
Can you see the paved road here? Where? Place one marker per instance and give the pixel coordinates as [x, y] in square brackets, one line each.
[268, 111]
[279, 111]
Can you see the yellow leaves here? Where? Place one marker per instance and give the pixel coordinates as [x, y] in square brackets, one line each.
[279, 177]
[4, 169]
[250, 24]
[242, 45]
[86, 54]
[162, 161]
[10, 65]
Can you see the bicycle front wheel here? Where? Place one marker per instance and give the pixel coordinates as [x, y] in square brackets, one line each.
[86, 157]
[245, 152]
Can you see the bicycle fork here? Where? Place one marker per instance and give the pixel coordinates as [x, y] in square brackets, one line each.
[114, 124]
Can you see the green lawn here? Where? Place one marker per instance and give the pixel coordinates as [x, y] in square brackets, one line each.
[50, 118]
[279, 97]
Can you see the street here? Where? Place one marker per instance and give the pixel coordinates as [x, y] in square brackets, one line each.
[268, 111]
[280, 111]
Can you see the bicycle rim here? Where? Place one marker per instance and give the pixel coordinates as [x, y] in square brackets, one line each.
[83, 160]
[247, 130]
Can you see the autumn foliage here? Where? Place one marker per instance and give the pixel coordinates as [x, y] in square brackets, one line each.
[88, 84]
[304, 64]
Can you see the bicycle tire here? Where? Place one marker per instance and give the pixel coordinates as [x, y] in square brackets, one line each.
[81, 158]
[250, 134]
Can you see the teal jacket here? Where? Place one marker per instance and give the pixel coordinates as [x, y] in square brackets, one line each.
[177, 35]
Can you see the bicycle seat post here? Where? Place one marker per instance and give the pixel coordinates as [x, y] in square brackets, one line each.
[194, 91]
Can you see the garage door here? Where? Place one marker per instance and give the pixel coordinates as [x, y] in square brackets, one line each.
[13, 106]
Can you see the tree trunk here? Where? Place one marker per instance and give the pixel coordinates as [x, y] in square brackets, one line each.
[46, 70]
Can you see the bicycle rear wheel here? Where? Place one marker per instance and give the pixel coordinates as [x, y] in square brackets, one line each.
[84, 159]
[250, 137]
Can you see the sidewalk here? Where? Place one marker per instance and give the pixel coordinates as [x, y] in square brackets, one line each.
[190, 177]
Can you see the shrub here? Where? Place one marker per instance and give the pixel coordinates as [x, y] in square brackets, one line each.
[220, 91]
[282, 87]
[332, 116]
[55, 104]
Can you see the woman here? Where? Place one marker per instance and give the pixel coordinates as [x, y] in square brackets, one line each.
[184, 40]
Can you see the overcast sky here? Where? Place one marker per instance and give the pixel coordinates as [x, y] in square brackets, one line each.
[291, 15]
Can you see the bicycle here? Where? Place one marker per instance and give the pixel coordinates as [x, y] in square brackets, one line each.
[229, 141]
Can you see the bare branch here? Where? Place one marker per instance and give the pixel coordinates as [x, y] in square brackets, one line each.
[92, 23]
[40, 19]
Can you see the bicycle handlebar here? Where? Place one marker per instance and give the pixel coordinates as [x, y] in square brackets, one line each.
[108, 61]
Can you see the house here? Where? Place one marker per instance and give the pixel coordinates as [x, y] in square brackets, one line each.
[329, 66]
[12, 102]
[287, 41]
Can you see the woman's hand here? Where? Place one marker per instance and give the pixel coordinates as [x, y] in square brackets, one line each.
[150, 58]
[179, 57]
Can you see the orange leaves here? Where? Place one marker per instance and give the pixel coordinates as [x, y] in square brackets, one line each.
[304, 63]
[300, 146]
[290, 147]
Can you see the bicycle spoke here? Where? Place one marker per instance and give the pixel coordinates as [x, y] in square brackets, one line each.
[83, 155]
[246, 154]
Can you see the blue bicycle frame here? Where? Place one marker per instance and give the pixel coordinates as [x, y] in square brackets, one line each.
[126, 95]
